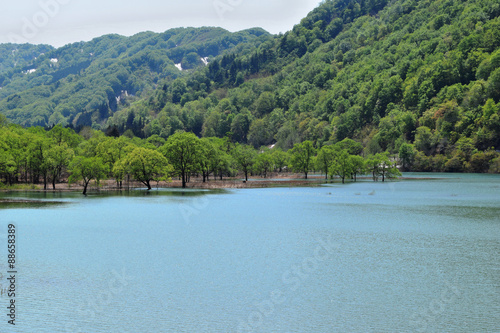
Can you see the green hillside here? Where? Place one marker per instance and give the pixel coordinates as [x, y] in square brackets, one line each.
[84, 83]
[418, 79]
[17, 56]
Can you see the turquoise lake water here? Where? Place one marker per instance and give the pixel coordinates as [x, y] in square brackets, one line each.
[406, 256]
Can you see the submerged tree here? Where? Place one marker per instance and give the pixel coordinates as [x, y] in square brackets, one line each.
[325, 158]
[387, 168]
[146, 165]
[264, 163]
[183, 150]
[245, 158]
[358, 165]
[280, 159]
[372, 165]
[302, 157]
[86, 169]
[58, 158]
[342, 165]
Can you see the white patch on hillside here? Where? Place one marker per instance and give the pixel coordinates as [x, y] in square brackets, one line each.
[54, 60]
[29, 71]
[179, 66]
[205, 60]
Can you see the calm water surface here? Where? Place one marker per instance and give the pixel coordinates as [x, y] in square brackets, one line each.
[408, 256]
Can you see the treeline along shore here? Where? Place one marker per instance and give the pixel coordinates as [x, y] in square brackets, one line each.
[39, 158]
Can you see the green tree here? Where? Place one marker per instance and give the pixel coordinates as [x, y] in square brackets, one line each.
[86, 169]
[112, 150]
[191, 60]
[64, 135]
[325, 157]
[7, 166]
[3, 121]
[156, 141]
[494, 85]
[372, 164]
[264, 104]
[259, 133]
[147, 165]
[301, 157]
[240, 126]
[264, 163]
[352, 147]
[183, 150]
[208, 158]
[406, 155]
[387, 168]
[358, 165]
[58, 158]
[280, 158]
[424, 140]
[245, 158]
[220, 162]
[37, 158]
[342, 165]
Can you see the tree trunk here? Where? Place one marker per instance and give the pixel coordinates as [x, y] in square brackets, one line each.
[54, 182]
[306, 174]
[148, 185]
[183, 180]
[246, 175]
[85, 184]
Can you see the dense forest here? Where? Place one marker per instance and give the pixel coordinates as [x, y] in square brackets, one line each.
[82, 84]
[416, 80]
[36, 156]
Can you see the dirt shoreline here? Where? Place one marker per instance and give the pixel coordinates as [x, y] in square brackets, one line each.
[288, 180]
[194, 184]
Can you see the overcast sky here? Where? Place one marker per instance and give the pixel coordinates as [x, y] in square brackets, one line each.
[59, 22]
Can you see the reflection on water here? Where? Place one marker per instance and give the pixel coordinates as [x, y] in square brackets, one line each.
[406, 256]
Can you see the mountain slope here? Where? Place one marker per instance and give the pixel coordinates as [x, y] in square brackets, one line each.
[420, 78]
[83, 83]
[422, 72]
[13, 55]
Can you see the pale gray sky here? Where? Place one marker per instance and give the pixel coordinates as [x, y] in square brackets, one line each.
[59, 22]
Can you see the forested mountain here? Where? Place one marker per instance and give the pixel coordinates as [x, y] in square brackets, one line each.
[83, 83]
[13, 55]
[416, 78]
